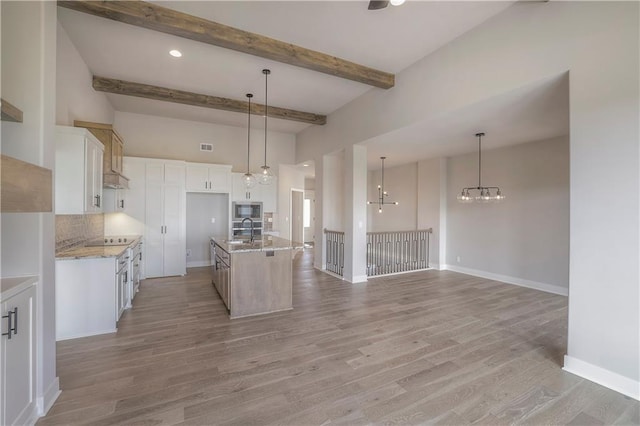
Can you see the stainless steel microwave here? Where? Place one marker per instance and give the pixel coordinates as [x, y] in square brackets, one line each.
[244, 210]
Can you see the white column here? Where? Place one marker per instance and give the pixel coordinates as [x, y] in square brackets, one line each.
[355, 214]
[319, 253]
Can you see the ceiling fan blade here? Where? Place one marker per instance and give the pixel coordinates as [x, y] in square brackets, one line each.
[378, 4]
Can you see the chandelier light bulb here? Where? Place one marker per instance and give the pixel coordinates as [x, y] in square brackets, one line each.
[483, 193]
[265, 177]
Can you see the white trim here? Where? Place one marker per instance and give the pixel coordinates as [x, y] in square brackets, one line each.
[549, 288]
[94, 333]
[198, 263]
[399, 273]
[357, 279]
[50, 396]
[602, 376]
[29, 416]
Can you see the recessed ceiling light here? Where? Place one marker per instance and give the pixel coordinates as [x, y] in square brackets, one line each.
[305, 165]
[175, 53]
[396, 2]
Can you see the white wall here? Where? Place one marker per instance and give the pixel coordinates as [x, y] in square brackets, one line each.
[167, 138]
[526, 236]
[401, 184]
[28, 239]
[201, 208]
[431, 211]
[75, 97]
[598, 43]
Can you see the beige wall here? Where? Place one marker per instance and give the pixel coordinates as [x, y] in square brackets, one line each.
[168, 138]
[401, 185]
[527, 235]
[75, 97]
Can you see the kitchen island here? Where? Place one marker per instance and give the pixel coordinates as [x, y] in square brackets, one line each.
[253, 278]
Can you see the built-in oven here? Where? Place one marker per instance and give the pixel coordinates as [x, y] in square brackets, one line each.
[241, 210]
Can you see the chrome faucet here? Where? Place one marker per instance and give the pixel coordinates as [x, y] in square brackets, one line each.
[250, 220]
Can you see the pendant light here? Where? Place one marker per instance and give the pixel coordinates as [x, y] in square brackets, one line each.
[382, 193]
[483, 194]
[248, 180]
[266, 177]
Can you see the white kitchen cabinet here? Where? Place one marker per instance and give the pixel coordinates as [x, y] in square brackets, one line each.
[78, 177]
[267, 194]
[17, 371]
[113, 200]
[270, 197]
[134, 197]
[215, 178]
[165, 223]
[86, 297]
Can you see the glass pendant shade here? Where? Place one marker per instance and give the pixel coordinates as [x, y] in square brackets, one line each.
[265, 177]
[248, 180]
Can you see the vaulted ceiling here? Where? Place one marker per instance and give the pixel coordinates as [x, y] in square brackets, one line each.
[388, 40]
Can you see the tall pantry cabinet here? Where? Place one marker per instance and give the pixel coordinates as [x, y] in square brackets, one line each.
[165, 224]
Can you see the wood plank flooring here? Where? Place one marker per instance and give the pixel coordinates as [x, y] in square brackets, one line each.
[427, 347]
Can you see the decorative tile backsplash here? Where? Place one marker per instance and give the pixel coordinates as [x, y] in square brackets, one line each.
[267, 224]
[74, 230]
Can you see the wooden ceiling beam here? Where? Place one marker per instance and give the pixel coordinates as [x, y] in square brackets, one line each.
[121, 87]
[158, 18]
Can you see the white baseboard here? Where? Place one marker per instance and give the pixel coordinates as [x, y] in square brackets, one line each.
[358, 279]
[602, 376]
[198, 263]
[93, 333]
[399, 273]
[549, 288]
[29, 416]
[46, 401]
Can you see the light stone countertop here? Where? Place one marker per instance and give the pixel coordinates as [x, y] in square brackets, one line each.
[95, 252]
[268, 243]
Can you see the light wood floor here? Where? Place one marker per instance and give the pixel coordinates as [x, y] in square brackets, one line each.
[428, 347]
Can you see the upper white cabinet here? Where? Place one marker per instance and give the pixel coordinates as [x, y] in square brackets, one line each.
[134, 197]
[165, 223]
[208, 178]
[267, 194]
[19, 348]
[113, 200]
[78, 177]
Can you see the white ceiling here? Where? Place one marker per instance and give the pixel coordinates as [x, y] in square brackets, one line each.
[535, 112]
[389, 40]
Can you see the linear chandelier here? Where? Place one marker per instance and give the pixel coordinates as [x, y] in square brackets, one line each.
[248, 180]
[382, 193]
[265, 177]
[483, 194]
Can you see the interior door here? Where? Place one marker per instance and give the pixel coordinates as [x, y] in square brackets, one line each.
[175, 256]
[296, 216]
[154, 221]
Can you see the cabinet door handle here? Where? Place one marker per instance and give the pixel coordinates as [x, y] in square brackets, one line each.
[122, 204]
[97, 201]
[12, 325]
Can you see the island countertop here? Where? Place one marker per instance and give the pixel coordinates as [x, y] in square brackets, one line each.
[267, 243]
